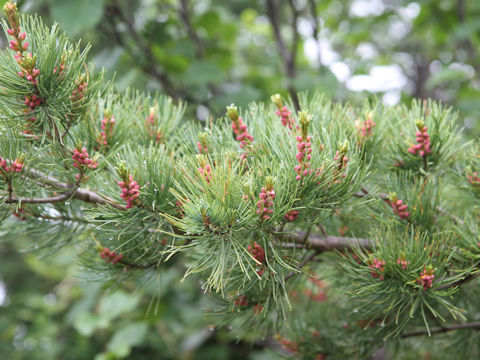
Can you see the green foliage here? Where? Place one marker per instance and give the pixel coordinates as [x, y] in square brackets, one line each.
[245, 208]
[233, 49]
[76, 16]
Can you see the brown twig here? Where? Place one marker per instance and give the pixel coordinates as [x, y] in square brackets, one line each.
[288, 57]
[467, 43]
[459, 282]
[67, 129]
[444, 329]
[302, 264]
[316, 29]
[321, 243]
[57, 218]
[186, 16]
[131, 265]
[9, 190]
[48, 200]
[80, 194]
[364, 192]
[184, 12]
[115, 11]
[323, 231]
[151, 66]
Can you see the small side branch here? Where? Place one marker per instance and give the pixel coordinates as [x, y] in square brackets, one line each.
[48, 200]
[288, 57]
[459, 282]
[185, 15]
[93, 197]
[457, 221]
[302, 264]
[79, 194]
[316, 29]
[131, 265]
[322, 243]
[115, 11]
[444, 329]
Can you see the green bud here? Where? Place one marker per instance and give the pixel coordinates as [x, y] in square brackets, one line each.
[305, 118]
[420, 124]
[277, 100]
[343, 147]
[393, 197]
[269, 181]
[11, 11]
[232, 112]
[122, 170]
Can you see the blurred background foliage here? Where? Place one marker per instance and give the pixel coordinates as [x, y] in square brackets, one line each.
[211, 53]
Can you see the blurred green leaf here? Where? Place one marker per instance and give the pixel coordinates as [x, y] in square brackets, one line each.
[86, 323]
[241, 96]
[210, 21]
[195, 340]
[173, 63]
[446, 75]
[323, 81]
[201, 72]
[127, 337]
[77, 16]
[117, 303]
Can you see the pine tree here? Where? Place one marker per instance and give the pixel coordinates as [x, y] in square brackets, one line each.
[330, 232]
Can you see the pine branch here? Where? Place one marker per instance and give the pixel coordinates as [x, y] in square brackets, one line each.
[302, 264]
[364, 192]
[459, 282]
[444, 329]
[80, 194]
[93, 197]
[67, 129]
[62, 218]
[457, 221]
[10, 189]
[131, 265]
[48, 200]
[321, 243]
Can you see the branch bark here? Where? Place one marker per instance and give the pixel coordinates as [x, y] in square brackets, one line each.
[151, 67]
[459, 282]
[115, 10]
[48, 200]
[467, 43]
[316, 30]
[80, 194]
[444, 329]
[316, 242]
[382, 196]
[288, 57]
[302, 264]
[321, 243]
[185, 16]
